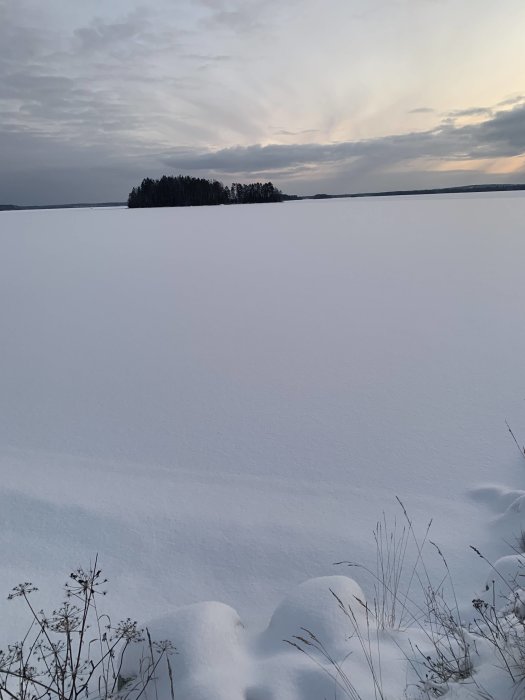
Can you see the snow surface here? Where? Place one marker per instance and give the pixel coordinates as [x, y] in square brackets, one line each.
[222, 402]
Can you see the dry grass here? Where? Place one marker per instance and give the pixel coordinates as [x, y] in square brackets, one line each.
[75, 651]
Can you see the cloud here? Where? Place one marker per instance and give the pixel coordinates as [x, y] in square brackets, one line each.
[204, 57]
[501, 136]
[295, 132]
[504, 134]
[422, 110]
[471, 112]
[132, 80]
[511, 101]
[100, 35]
[241, 16]
[97, 84]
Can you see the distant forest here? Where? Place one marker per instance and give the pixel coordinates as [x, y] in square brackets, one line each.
[186, 191]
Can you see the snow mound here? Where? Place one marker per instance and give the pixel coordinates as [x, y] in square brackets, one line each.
[330, 653]
[508, 525]
[498, 498]
[506, 576]
[209, 642]
[517, 505]
[313, 606]
[216, 658]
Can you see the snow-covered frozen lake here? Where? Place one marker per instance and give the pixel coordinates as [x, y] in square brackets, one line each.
[222, 401]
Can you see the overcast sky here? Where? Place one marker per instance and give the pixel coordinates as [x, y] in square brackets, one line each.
[333, 96]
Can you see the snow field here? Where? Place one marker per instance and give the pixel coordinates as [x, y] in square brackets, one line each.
[222, 403]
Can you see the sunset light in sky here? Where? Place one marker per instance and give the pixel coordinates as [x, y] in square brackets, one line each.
[339, 96]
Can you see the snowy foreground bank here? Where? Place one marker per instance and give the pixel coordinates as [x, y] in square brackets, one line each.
[223, 403]
[326, 640]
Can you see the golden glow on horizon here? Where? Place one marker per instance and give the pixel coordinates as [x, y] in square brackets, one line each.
[491, 166]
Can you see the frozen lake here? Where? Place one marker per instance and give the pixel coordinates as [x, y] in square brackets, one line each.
[221, 401]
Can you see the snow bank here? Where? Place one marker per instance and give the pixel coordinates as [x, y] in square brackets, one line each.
[219, 659]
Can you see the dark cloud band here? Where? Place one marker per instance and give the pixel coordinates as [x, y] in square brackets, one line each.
[503, 135]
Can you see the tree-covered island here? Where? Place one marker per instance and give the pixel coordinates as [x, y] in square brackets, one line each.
[186, 191]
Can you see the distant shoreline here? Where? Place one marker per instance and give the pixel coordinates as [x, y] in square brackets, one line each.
[465, 189]
[92, 205]
[440, 190]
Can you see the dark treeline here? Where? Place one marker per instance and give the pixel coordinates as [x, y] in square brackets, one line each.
[186, 191]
